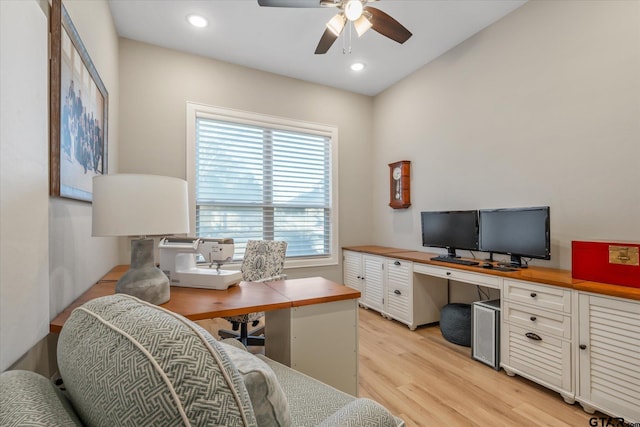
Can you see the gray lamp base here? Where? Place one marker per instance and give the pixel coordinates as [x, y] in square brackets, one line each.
[144, 280]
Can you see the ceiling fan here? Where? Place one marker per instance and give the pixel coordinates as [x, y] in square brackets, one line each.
[356, 11]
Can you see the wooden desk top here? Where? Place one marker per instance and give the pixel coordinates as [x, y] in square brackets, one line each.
[247, 297]
[543, 275]
[312, 290]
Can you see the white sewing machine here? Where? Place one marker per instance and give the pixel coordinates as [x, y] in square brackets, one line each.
[178, 261]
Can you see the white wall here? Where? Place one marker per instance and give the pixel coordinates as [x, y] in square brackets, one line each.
[77, 259]
[24, 263]
[47, 254]
[541, 108]
[156, 83]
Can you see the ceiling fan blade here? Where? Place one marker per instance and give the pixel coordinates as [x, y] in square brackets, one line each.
[387, 26]
[326, 41]
[289, 3]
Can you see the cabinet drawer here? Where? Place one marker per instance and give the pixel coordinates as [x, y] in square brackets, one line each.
[547, 359]
[541, 321]
[535, 295]
[399, 271]
[399, 303]
[461, 275]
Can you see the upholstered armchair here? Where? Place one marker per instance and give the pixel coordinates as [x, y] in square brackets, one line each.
[263, 262]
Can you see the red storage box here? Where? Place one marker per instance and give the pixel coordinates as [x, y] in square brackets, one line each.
[606, 262]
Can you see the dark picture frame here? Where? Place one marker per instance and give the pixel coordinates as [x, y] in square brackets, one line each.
[79, 105]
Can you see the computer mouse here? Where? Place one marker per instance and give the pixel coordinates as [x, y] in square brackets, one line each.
[487, 265]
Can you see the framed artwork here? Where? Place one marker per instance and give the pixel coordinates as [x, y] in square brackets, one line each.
[78, 113]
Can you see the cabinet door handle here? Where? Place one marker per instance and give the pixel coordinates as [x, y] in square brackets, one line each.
[533, 336]
[533, 295]
[359, 277]
[532, 318]
[397, 292]
[583, 347]
[396, 263]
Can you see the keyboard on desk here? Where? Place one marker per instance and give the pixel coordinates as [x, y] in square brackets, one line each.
[454, 260]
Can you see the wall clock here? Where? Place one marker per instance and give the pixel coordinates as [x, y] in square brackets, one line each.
[399, 184]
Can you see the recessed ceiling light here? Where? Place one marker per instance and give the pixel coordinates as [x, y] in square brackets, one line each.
[357, 66]
[197, 21]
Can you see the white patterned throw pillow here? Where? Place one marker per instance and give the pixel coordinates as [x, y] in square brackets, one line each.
[267, 397]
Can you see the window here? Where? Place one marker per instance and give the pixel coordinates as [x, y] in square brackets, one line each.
[258, 177]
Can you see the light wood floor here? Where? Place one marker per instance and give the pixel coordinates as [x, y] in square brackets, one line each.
[428, 381]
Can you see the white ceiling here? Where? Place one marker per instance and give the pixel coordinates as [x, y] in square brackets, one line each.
[282, 40]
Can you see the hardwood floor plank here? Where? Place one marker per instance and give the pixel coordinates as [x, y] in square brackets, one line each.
[428, 381]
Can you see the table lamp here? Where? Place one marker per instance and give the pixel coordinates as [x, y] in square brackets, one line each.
[140, 205]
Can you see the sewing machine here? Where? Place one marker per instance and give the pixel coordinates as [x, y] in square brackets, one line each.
[178, 261]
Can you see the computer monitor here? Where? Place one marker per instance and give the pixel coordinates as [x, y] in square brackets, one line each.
[451, 230]
[519, 232]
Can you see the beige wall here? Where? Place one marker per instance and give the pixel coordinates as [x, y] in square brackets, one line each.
[24, 267]
[541, 108]
[48, 255]
[156, 83]
[77, 259]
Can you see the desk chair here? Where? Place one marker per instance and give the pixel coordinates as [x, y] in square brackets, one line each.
[263, 262]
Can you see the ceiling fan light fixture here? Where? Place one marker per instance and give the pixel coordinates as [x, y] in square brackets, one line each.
[336, 24]
[361, 25]
[197, 21]
[353, 9]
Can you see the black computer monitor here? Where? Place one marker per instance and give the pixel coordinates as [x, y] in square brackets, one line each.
[519, 232]
[451, 230]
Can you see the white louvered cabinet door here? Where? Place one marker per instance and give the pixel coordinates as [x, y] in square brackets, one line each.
[374, 282]
[609, 356]
[352, 269]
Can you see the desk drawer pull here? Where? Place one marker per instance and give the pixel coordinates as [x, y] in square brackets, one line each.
[397, 292]
[533, 295]
[533, 336]
[396, 263]
[532, 318]
[448, 273]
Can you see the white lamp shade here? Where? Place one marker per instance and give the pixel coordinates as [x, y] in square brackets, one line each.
[139, 205]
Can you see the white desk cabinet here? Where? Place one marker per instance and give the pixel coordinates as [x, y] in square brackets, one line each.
[413, 300]
[537, 335]
[400, 290]
[365, 273]
[319, 340]
[609, 356]
[570, 336]
[389, 286]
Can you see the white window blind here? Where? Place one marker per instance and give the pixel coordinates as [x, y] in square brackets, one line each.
[254, 181]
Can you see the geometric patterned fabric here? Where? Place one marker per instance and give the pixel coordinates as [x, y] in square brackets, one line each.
[126, 362]
[29, 399]
[269, 402]
[310, 402]
[263, 262]
[361, 412]
[313, 403]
